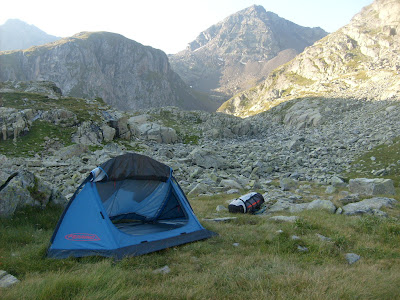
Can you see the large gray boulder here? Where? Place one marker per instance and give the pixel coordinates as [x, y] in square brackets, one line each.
[7, 280]
[207, 158]
[322, 205]
[376, 186]
[157, 133]
[370, 206]
[25, 189]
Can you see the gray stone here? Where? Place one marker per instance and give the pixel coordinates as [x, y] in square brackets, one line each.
[289, 219]
[221, 208]
[231, 184]
[232, 191]
[337, 182]
[368, 206]
[7, 280]
[163, 270]
[323, 238]
[352, 258]
[330, 190]
[200, 188]
[207, 158]
[295, 238]
[370, 187]
[226, 219]
[302, 248]
[288, 184]
[108, 133]
[322, 205]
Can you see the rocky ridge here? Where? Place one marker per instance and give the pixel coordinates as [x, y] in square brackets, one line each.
[124, 73]
[359, 61]
[241, 50]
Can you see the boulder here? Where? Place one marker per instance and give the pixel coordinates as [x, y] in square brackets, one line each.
[322, 205]
[207, 159]
[370, 187]
[370, 206]
[157, 133]
[25, 189]
[230, 184]
[88, 133]
[288, 184]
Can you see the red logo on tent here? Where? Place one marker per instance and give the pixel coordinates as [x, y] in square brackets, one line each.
[82, 237]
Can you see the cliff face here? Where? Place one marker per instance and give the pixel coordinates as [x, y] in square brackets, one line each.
[361, 60]
[16, 34]
[126, 74]
[241, 50]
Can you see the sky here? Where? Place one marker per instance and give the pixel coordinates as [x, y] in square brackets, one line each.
[168, 25]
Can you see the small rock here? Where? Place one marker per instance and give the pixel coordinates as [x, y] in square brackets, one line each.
[163, 270]
[236, 244]
[295, 237]
[232, 191]
[221, 208]
[227, 219]
[302, 249]
[279, 231]
[330, 190]
[7, 280]
[290, 219]
[352, 258]
[323, 238]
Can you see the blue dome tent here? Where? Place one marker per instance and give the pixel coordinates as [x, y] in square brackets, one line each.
[130, 205]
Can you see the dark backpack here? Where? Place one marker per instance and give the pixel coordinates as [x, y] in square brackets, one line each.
[248, 203]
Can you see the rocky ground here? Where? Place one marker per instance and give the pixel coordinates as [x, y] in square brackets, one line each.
[307, 140]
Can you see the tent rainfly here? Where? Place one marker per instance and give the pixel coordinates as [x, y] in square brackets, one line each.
[130, 205]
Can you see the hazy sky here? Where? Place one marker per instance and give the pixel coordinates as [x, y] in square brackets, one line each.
[168, 25]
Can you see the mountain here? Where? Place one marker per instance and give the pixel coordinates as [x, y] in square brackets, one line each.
[126, 74]
[241, 50]
[16, 34]
[361, 61]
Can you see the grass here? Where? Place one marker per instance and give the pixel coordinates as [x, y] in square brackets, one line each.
[387, 156]
[34, 141]
[265, 264]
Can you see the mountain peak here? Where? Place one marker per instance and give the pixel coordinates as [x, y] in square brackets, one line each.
[16, 34]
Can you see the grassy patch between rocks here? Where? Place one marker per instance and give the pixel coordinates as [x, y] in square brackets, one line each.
[382, 161]
[34, 141]
[249, 259]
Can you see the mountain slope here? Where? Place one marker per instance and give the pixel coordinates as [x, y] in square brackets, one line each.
[16, 34]
[236, 53]
[126, 74]
[361, 60]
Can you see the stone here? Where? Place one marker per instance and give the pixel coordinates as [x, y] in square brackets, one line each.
[108, 133]
[235, 244]
[288, 184]
[295, 238]
[330, 190]
[221, 208]
[288, 219]
[302, 248]
[231, 184]
[25, 189]
[226, 219]
[207, 159]
[322, 205]
[368, 206]
[163, 270]
[200, 188]
[7, 280]
[352, 258]
[370, 187]
[72, 151]
[232, 191]
[323, 238]
[337, 182]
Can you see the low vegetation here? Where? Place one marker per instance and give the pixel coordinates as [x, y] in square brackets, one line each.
[249, 259]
